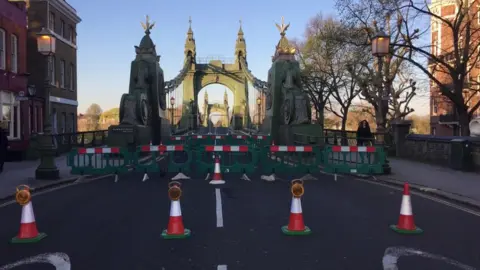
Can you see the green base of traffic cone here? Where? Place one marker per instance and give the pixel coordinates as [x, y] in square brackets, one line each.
[17, 240]
[286, 231]
[185, 234]
[402, 231]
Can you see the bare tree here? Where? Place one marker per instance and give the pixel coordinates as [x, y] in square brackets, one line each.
[313, 80]
[380, 75]
[453, 53]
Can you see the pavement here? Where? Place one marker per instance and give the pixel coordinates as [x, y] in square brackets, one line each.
[461, 187]
[107, 225]
[23, 173]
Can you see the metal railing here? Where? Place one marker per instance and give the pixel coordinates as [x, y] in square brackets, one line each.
[65, 142]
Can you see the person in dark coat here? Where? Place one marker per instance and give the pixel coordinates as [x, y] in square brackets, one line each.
[364, 134]
[3, 147]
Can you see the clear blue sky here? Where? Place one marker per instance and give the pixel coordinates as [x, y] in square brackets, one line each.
[110, 28]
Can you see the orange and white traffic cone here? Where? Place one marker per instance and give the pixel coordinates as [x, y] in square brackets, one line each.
[28, 232]
[175, 228]
[296, 225]
[406, 224]
[217, 178]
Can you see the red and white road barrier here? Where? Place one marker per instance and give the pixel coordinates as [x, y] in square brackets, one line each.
[199, 137]
[98, 150]
[364, 149]
[161, 148]
[239, 137]
[406, 224]
[259, 137]
[218, 137]
[178, 138]
[290, 148]
[226, 148]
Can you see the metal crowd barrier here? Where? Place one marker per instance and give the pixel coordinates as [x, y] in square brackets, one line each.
[237, 154]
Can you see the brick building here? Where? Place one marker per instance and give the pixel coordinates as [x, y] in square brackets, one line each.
[443, 117]
[14, 101]
[61, 68]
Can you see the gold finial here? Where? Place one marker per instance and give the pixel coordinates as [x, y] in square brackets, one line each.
[282, 28]
[147, 26]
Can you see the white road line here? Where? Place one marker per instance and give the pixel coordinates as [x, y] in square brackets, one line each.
[432, 198]
[222, 267]
[218, 197]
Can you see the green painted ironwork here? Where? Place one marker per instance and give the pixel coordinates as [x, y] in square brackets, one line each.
[97, 161]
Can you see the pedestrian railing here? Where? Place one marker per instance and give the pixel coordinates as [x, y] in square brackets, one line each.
[236, 154]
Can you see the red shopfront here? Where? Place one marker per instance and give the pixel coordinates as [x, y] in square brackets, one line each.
[15, 103]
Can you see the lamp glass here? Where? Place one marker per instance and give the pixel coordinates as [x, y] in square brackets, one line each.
[381, 45]
[259, 101]
[46, 44]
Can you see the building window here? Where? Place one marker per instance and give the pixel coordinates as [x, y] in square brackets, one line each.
[62, 28]
[62, 73]
[10, 113]
[71, 34]
[51, 68]
[51, 21]
[434, 131]
[3, 47]
[14, 54]
[72, 77]
[435, 106]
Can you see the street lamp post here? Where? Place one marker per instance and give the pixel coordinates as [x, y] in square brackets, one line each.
[380, 49]
[47, 170]
[32, 90]
[172, 102]
[259, 103]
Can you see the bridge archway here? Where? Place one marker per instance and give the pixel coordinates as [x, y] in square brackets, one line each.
[214, 105]
[197, 73]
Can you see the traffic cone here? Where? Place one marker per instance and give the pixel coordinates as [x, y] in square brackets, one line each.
[28, 227]
[296, 226]
[406, 224]
[175, 227]
[217, 174]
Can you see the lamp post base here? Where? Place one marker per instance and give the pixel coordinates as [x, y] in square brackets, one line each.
[47, 170]
[47, 173]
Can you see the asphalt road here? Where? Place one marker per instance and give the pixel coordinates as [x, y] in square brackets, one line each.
[107, 225]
